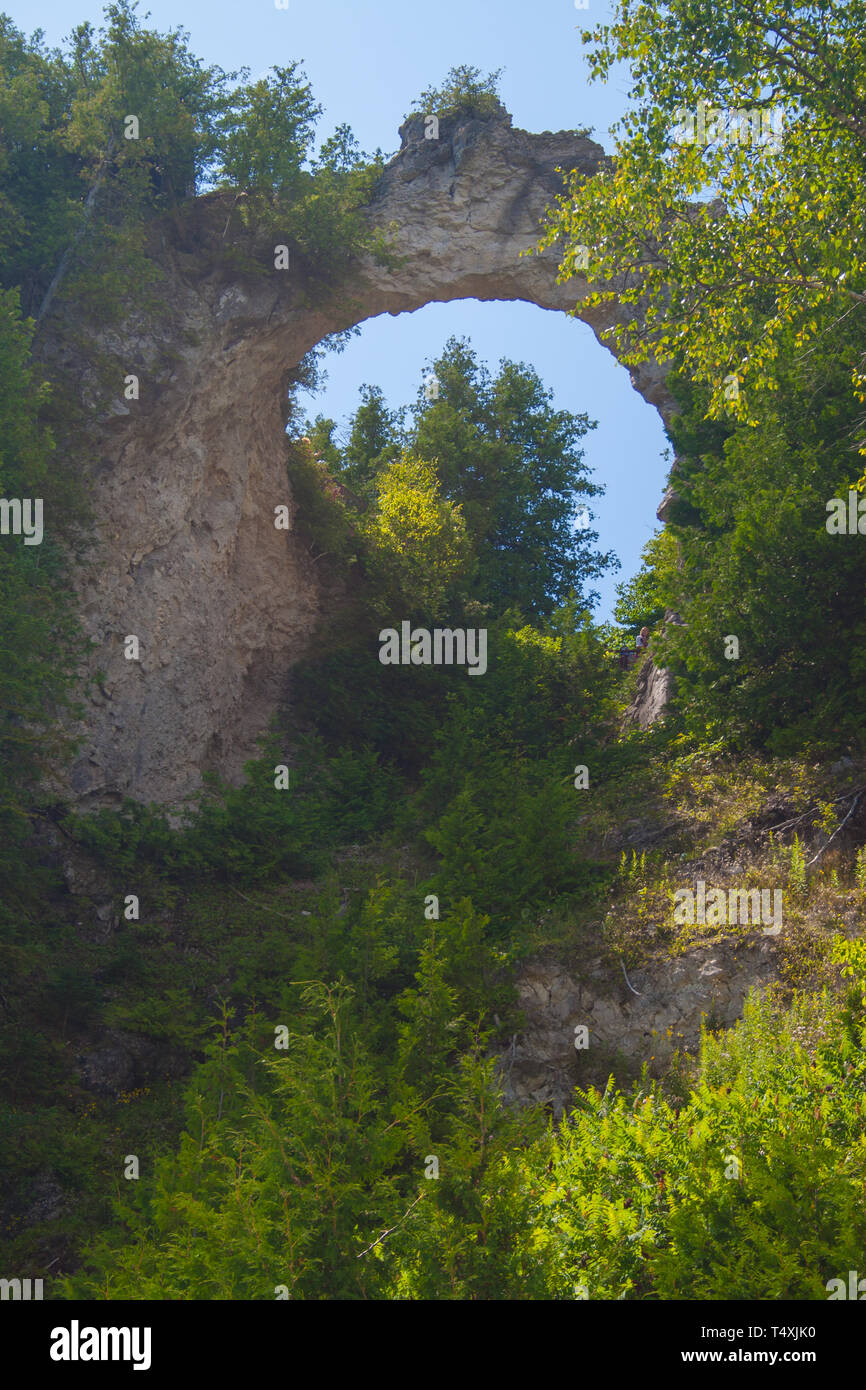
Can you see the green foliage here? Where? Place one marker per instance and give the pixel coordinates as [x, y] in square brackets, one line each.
[515, 465]
[80, 186]
[39, 635]
[273, 129]
[506, 457]
[257, 830]
[797, 868]
[357, 701]
[321, 511]
[77, 189]
[295, 1161]
[465, 92]
[417, 540]
[754, 559]
[498, 796]
[313, 202]
[374, 441]
[504, 838]
[264, 1191]
[750, 1189]
[369, 915]
[640, 600]
[776, 257]
[475, 1235]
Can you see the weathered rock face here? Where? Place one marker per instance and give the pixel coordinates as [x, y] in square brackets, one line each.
[625, 1029]
[654, 688]
[669, 500]
[187, 478]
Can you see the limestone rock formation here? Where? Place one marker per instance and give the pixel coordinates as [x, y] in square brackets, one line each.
[625, 1029]
[669, 500]
[186, 479]
[654, 689]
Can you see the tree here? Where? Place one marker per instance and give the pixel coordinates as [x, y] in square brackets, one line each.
[417, 539]
[639, 600]
[514, 464]
[139, 127]
[271, 132]
[477, 1235]
[127, 124]
[373, 440]
[277, 1180]
[506, 457]
[40, 639]
[749, 554]
[266, 154]
[722, 284]
[465, 92]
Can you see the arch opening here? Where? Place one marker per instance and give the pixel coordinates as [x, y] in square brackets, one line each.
[624, 453]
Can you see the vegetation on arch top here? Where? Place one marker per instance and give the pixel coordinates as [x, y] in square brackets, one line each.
[125, 124]
[465, 92]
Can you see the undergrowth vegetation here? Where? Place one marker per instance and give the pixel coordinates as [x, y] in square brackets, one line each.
[290, 999]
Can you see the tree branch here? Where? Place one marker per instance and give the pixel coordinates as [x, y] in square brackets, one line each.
[391, 1229]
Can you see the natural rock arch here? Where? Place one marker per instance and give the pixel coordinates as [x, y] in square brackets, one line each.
[187, 478]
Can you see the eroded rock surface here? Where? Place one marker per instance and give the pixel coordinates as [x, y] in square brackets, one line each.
[186, 479]
[654, 689]
[655, 686]
[710, 980]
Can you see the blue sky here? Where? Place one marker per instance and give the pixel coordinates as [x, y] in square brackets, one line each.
[367, 61]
